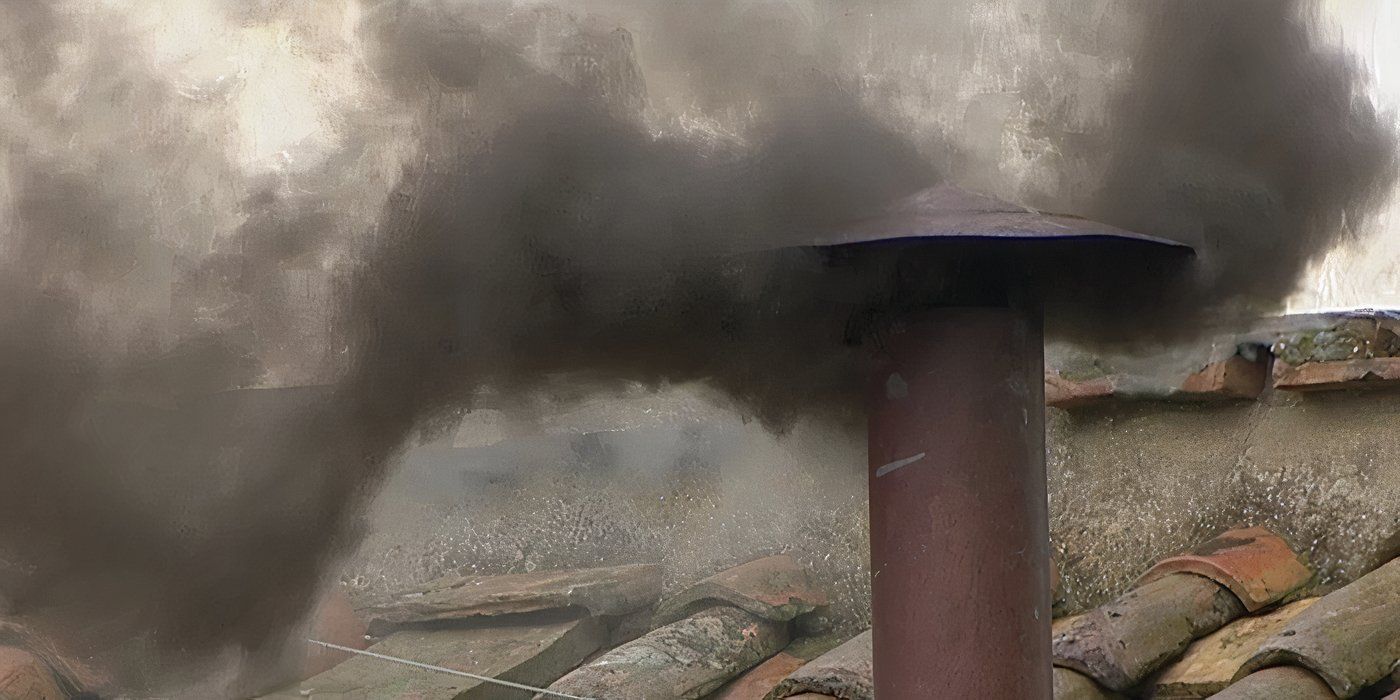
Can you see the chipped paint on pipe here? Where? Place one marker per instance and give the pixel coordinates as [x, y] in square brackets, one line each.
[898, 464]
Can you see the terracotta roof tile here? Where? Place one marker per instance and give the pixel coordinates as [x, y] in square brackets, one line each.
[605, 591]
[1073, 685]
[1119, 644]
[1337, 646]
[1182, 632]
[1062, 392]
[776, 588]
[1279, 683]
[1233, 378]
[685, 660]
[1340, 374]
[1351, 637]
[760, 680]
[1211, 663]
[1254, 563]
[534, 653]
[844, 672]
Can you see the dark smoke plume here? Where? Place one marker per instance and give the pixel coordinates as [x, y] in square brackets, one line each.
[570, 219]
[1244, 136]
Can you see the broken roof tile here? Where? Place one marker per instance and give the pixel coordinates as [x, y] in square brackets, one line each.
[774, 588]
[845, 672]
[1254, 563]
[684, 660]
[1211, 663]
[1119, 644]
[1350, 637]
[1232, 378]
[604, 591]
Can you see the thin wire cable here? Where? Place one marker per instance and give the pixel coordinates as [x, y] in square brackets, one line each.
[450, 671]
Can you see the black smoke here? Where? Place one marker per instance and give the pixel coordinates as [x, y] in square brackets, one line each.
[568, 220]
[1242, 133]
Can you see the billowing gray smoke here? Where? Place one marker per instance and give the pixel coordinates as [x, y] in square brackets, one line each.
[1246, 139]
[566, 216]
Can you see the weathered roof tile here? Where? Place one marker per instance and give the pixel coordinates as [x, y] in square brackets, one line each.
[1350, 637]
[1062, 392]
[1119, 644]
[1340, 374]
[758, 681]
[1210, 664]
[845, 672]
[1254, 563]
[529, 653]
[1278, 683]
[1073, 685]
[605, 591]
[1232, 378]
[684, 660]
[534, 653]
[775, 588]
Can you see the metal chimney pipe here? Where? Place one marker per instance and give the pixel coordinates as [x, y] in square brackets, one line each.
[959, 541]
[959, 534]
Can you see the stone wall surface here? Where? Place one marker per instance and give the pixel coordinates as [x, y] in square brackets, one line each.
[1131, 481]
[1134, 481]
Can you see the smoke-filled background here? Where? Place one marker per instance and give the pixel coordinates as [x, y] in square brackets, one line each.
[413, 209]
